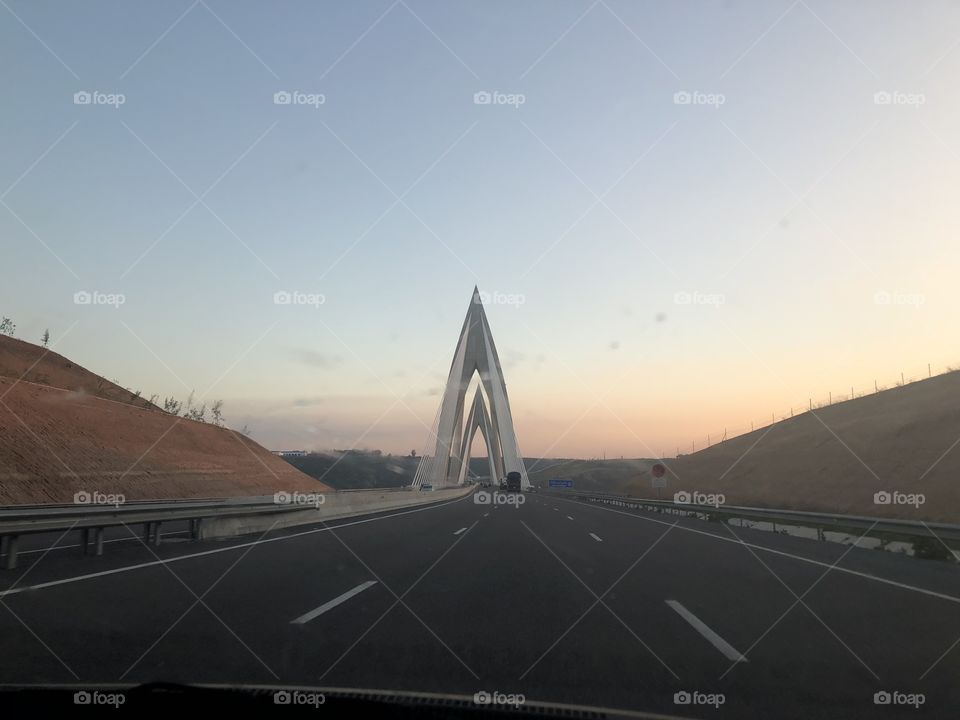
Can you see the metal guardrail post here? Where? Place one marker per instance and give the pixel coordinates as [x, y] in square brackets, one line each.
[11, 562]
[98, 541]
[156, 534]
[85, 541]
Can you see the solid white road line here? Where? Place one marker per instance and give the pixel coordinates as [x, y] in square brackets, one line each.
[215, 551]
[461, 530]
[764, 548]
[598, 539]
[718, 642]
[307, 617]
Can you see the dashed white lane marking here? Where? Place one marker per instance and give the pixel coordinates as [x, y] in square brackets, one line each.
[461, 530]
[718, 642]
[595, 537]
[486, 514]
[569, 518]
[333, 603]
[763, 548]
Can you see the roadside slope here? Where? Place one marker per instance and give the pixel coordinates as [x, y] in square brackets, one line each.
[835, 458]
[78, 432]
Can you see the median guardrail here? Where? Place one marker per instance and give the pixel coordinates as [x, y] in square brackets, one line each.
[928, 535]
[207, 518]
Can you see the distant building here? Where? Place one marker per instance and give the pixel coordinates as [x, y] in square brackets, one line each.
[289, 453]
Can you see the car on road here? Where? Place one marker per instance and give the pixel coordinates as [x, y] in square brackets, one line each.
[514, 481]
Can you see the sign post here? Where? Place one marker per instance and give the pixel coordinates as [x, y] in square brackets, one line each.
[659, 473]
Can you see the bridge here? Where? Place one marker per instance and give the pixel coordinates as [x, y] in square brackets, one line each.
[448, 460]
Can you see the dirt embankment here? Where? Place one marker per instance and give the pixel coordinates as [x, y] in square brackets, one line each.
[78, 432]
[835, 459]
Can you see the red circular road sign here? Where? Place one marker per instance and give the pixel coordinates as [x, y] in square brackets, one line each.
[658, 470]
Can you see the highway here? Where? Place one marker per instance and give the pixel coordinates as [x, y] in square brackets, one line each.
[558, 599]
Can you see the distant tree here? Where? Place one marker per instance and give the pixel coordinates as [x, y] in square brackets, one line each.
[413, 453]
[7, 326]
[153, 399]
[136, 395]
[217, 411]
[172, 405]
[246, 431]
[189, 405]
[45, 338]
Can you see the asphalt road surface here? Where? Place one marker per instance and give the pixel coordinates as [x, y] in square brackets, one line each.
[560, 600]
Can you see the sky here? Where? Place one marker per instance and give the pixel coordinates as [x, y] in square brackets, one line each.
[686, 217]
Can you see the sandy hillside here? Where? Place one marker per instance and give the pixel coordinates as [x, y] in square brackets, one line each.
[62, 438]
[45, 367]
[908, 437]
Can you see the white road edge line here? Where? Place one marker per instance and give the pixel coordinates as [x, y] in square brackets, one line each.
[701, 627]
[764, 548]
[307, 617]
[238, 546]
[596, 537]
[461, 530]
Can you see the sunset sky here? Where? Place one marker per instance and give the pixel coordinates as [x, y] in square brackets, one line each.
[687, 216]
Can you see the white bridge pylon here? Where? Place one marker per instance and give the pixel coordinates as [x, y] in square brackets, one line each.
[447, 461]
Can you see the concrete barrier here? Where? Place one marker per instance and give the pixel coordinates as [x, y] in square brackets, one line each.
[335, 505]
